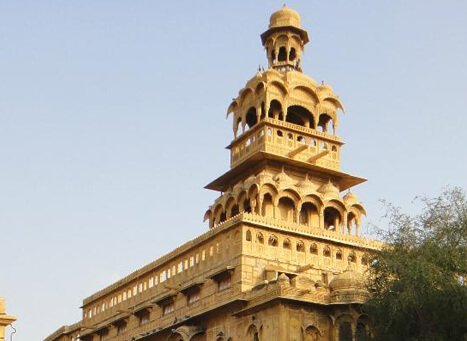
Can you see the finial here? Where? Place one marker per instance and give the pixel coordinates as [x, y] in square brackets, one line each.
[322, 82]
[284, 5]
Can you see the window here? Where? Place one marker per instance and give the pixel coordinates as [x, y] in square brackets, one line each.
[193, 296]
[168, 308]
[286, 244]
[314, 249]
[300, 246]
[272, 240]
[327, 251]
[121, 327]
[345, 331]
[225, 283]
[339, 254]
[143, 317]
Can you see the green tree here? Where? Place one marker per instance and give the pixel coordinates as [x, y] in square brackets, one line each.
[418, 282]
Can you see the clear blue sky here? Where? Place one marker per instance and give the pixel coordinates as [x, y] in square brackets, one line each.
[112, 111]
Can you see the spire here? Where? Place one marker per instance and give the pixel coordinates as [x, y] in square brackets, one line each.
[284, 40]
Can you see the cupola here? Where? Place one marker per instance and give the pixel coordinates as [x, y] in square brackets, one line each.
[284, 40]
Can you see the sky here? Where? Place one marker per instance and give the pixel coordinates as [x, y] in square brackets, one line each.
[112, 120]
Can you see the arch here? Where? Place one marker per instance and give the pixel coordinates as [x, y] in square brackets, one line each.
[246, 95]
[282, 55]
[267, 206]
[304, 93]
[253, 332]
[327, 251]
[248, 236]
[286, 244]
[300, 247]
[278, 87]
[314, 249]
[339, 254]
[311, 333]
[232, 108]
[351, 222]
[352, 257]
[301, 116]
[259, 238]
[332, 218]
[333, 102]
[286, 208]
[324, 123]
[218, 210]
[292, 54]
[275, 108]
[260, 88]
[273, 241]
[250, 117]
[309, 214]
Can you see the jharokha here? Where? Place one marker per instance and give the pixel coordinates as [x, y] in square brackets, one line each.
[283, 258]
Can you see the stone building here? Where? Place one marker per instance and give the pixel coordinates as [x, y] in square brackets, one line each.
[283, 258]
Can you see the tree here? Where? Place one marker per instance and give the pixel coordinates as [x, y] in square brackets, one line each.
[417, 282]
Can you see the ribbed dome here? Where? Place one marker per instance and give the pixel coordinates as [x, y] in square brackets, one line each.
[306, 185]
[282, 178]
[347, 280]
[285, 17]
[329, 190]
[350, 198]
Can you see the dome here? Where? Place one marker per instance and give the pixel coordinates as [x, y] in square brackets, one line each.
[282, 178]
[285, 17]
[329, 190]
[350, 198]
[306, 185]
[348, 280]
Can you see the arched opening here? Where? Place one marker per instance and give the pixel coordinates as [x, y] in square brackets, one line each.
[325, 123]
[311, 334]
[339, 255]
[282, 56]
[248, 236]
[351, 222]
[246, 206]
[314, 249]
[259, 238]
[309, 214]
[251, 118]
[234, 210]
[253, 334]
[267, 208]
[352, 257]
[345, 331]
[286, 244]
[327, 251]
[292, 54]
[272, 241]
[332, 218]
[299, 115]
[275, 109]
[222, 217]
[300, 246]
[286, 209]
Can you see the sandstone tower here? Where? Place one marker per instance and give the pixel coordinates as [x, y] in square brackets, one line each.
[283, 258]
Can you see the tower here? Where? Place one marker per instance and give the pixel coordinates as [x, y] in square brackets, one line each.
[283, 258]
[285, 155]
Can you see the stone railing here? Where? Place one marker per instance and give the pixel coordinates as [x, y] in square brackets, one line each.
[288, 140]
